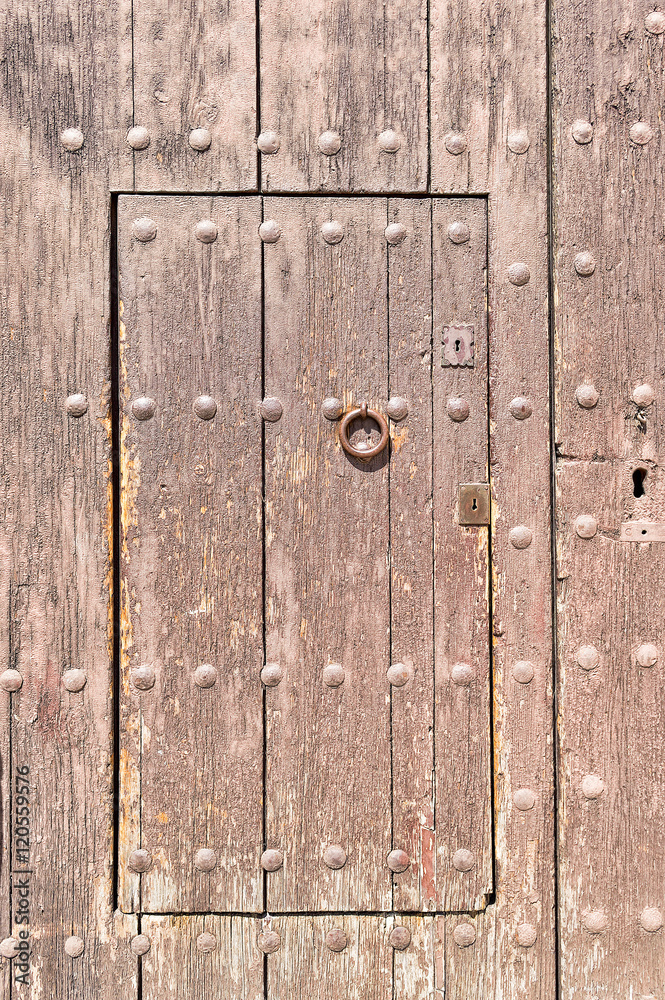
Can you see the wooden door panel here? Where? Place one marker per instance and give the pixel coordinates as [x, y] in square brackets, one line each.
[190, 357]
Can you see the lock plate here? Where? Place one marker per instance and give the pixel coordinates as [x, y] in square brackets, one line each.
[458, 344]
[474, 503]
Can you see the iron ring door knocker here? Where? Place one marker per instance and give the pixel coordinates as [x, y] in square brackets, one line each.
[364, 454]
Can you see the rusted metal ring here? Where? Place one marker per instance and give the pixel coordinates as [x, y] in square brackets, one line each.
[364, 454]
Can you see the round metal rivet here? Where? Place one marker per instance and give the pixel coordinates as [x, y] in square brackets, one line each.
[397, 408]
[582, 132]
[643, 395]
[595, 921]
[144, 230]
[143, 677]
[526, 935]
[640, 133]
[395, 233]
[206, 231]
[585, 264]
[523, 671]
[397, 674]
[10, 680]
[144, 408]
[139, 861]
[521, 536]
[271, 674]
[586, 396]
[205, 675]
[140, 944]
[586, 526]
[398, 860]
[654, 22]
[459, 232]
[269, 231]
[72, 139]
[336, 939]
[592, 786]
[205, 859]
[646, 655]
[330, 143]
[271, 409]
[334, 856]
[651, 919]
[400, 938]
[268, 142]
[76, 404]
[206, 942]
[519, 273]
[332, 408]
[332, 231]
[524, 799]
[272, 860]
[138, 137]
[200, 139]
[521, 408]
[333, 675]
[463, 860]
[457, 409]
[74, 679]
[518, 142]
[74, 946]
[268, 942]
[9, 947]
[464, 935]
[462, 673]
[588, 657]
[204, 407]
[389, 141]
[455, 143]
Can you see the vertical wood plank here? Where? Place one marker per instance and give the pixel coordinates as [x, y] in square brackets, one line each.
[195, 95]
[66, 108]
[191, 551]
[344, 89]
[327, 588]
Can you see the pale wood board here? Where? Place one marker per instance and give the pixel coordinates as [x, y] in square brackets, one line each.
[192, 552]
[195, 67]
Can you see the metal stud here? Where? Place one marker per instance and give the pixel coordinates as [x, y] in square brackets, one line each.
[268, 942]
[643, 395]
[74, 679]
[595, 921]
[400, 938]
[269, 231]
[205, 407]
[521, 408]
[72, 139]
[332, 408]
[205, 859]
[336, 939]
[74, 946]
[521, 536]
[200, 139]
[651, 919]
[518, 142]
[206, 942]
[272, 860]
[654, 22]
[144, 229]
[206, 231]
[397, 674]
[143, 677]
[640, 133]
[140, 944]
[332, 231]
[9, 947]
[10, 680]
[587, 396]
[592, 786]
[455, 143]
[139, 861]
[457, 409]
[588, 657]
[330, 143]
[397, 408]
[519, 273]
[334, 856]
[582, 131]
[463, 860]
[459, 232]
[585, 264]
[144, 408]
[586, 526]
[205, 675]
[395, 233]
[268, 142]
[523, 671]
[76, 404]
[526, 935]
[646, 655]
[389, 141]
[464, 935]
[398, 860]
[462, 674]
[271, 674]
[271, 409]
[138, 137]
[524, 799]
[333, 675]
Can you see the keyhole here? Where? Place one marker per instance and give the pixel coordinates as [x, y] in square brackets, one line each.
[639, 475]
[474, 505]
[458, 346]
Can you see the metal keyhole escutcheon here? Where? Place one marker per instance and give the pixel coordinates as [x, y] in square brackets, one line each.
[363, 453]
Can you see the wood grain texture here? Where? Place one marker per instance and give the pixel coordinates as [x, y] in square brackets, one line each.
[195, 68]
[354, 69]
[64, 66]
[609, 592]
[489, 79]
[191, 552]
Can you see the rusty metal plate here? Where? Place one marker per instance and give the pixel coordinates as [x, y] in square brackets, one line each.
[643, 531]
[458, 343]
[474, 503]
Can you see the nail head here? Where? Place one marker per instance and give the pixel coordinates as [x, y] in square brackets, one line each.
[523, 671]
[271, 674]
[586, 396]
[206, 942]
[334, 856]
[72, 139]
[206, 231]
[521, 408]
[646, 655]
[585, 264]
[200, 139]
[526, 935]
[595, 921]
[400, 938]
[455, 143]
[457, 409]
[586, 526]
[654, 22]
[268, 942]
[74, 946]
[395, 233]
[397, 408]
[269, 231]
[519, 273]
[332, 408]
[462, 674]
[139, 861]
[144, 408]
[74, 679]
[592, 786]
[144, 229]
[332, 231]
[643, 395]
[640, 133]
[582, 131]
[333, 675]
[10, 680]
[651, 919]
[588, 657]
[524, 799]
[463, 860]
[9, 947]
[459, 232]
[76, 404]
[205, 859]
[205, 675]
[140, 944]
[204, 407]
[336, 939]
[389, 141]
[268, 142]
[518, 142]
[271, 409]
[143, 677]
[397, 674]
[521, 536]
[272, 860]
[464, 935]
[398, 860]
[330, 143]
[138, 137]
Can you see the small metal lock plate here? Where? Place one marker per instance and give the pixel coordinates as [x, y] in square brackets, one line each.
[458, 344]
[474, 503]
[643, 531]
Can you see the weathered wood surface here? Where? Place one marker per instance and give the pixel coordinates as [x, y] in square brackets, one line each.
[65, 66]
[608, 171]
[344, 89]
[195, 95]
[191, 558]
